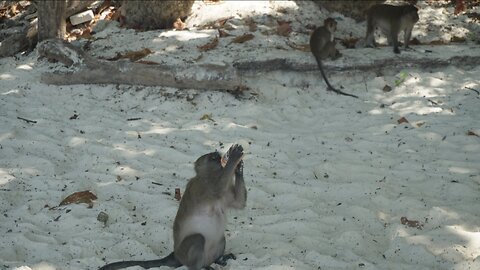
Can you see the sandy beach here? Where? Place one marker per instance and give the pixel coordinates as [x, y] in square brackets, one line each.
[387, 181]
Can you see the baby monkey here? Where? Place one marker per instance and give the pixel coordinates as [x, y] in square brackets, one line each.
[391, 20]
[200, 223]
[323, 47]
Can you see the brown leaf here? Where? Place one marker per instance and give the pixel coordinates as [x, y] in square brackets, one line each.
[80, 197]
[402, 120]
[252, 25]
[387, 88]
[471, 133]
[459, 7]
[179, 25]
[209, 46]
[349, 43]
[243, 38]
[411, 223]
[284, 28]
[436, 42]
[221, 22]
[415, 41]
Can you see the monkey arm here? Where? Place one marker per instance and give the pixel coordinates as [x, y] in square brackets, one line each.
[235, 155]
[239, 190]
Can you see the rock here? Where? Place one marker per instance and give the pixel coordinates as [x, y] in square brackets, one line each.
[82, 17]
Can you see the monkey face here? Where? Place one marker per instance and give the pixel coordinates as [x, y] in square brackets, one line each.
[331, 24]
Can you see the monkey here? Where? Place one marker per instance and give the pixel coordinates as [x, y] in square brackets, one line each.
[200, 222]
[391, 20]
[322, 46]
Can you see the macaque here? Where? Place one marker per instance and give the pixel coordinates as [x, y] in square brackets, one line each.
[200, 223]
[391, 20]
[322, 46]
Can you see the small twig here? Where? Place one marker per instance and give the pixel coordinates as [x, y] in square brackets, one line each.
[134, 119]
[158, 184]
[365, 83]
[27, 120]
[433, 102]
[475, 90]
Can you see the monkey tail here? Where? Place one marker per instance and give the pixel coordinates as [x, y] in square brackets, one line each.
[329, 86]
[169, 261]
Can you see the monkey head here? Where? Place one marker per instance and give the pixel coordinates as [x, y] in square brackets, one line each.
[208, 163]
[412, 12]
[214, 162]
[330, 24]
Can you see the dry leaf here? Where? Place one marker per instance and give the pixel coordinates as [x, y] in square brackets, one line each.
[207, 117]
[458, 39]
[132, 55]
[243, 38]
[299, 47]
[223, 33]
[178, 195]
[179, 25]
[212, 2]
[284, 28]
[209, 46]
[402, 120]
[411, 223]
[215, 24]
[419, 124]
[436, 42]
[471, 133]
[80, 197]
[147, 62]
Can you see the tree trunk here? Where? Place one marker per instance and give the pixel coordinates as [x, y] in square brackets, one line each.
[352, 9]
[147, 14]
[51, 19]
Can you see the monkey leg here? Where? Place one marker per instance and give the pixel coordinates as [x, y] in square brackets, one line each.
[393, 37]
[406, 38]
[191, 251]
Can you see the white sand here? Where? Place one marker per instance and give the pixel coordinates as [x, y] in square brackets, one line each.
[329, 177]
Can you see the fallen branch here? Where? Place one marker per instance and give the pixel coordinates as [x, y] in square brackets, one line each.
[95, 71]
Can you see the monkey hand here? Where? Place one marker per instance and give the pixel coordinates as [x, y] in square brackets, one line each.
[235, 154]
